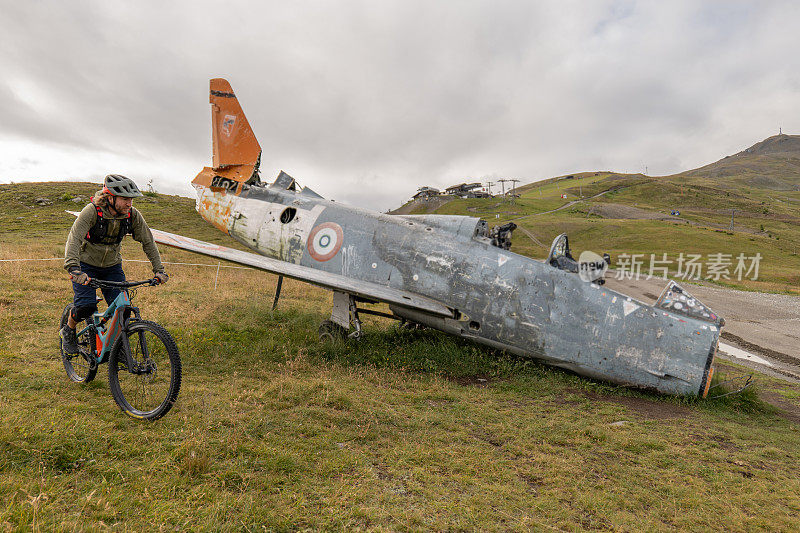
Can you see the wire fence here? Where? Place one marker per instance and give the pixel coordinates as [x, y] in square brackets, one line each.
[218, 266]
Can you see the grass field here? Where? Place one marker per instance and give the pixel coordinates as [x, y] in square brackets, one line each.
[404, 430]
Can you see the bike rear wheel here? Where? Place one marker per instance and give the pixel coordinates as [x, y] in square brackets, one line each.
[80, 367]
[149, 389]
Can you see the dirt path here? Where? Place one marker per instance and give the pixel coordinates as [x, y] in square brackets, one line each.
[628, 212]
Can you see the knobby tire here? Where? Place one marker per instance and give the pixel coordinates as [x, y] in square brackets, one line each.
[78, 367]
[131, 391]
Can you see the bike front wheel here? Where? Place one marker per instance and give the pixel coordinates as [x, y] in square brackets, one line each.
[80, 367]
[150, 387]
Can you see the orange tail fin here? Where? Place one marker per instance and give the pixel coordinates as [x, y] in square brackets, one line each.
[236, 152]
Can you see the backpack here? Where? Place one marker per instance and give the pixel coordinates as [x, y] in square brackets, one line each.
[98, 234]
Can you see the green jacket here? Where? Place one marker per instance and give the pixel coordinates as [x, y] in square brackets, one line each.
[78, 249]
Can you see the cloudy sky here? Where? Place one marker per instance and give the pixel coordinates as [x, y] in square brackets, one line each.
[366, 101]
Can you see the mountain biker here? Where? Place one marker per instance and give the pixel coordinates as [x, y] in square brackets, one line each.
[93, 249]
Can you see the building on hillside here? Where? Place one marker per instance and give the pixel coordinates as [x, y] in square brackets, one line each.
[468, 190]
[423, 193]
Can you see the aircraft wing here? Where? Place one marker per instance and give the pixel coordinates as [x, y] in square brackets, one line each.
[337, 282]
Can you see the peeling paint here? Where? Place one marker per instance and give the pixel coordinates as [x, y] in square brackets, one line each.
[442, 262]
[629, 307]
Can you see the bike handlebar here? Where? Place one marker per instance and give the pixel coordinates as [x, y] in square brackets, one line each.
[103, 284]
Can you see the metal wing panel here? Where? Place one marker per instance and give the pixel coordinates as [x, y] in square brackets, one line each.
[363, 289]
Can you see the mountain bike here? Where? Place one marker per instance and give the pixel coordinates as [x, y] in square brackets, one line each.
[144, 366]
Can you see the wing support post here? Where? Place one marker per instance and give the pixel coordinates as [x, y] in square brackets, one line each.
[277, 292]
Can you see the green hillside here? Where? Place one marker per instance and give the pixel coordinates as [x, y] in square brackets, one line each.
[630, 213]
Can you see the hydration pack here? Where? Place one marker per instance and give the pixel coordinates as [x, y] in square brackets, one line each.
[98, 234]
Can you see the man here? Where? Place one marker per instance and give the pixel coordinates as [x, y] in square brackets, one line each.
[93, 249]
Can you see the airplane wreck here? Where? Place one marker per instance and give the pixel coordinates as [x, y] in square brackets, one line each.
[444, 272]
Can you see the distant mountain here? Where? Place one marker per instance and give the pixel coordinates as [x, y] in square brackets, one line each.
[776, 145]
[773, 163]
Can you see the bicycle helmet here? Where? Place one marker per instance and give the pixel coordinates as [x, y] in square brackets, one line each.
[121, 186]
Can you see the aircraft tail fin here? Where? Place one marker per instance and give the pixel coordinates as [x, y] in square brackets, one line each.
[236, 153]
[233, 139]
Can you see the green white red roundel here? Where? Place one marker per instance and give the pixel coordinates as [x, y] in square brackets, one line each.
[325, 240]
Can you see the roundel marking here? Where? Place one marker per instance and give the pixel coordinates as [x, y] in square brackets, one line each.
[325, 240]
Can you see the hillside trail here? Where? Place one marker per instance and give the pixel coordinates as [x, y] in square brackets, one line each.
[533, 238]
[568, 204]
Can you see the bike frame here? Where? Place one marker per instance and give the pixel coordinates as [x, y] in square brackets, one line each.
[108, 325]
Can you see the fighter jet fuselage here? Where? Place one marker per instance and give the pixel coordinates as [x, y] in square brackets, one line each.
[497, 297]
[445, 273]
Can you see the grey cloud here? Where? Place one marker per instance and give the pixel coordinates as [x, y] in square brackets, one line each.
[383, 97]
